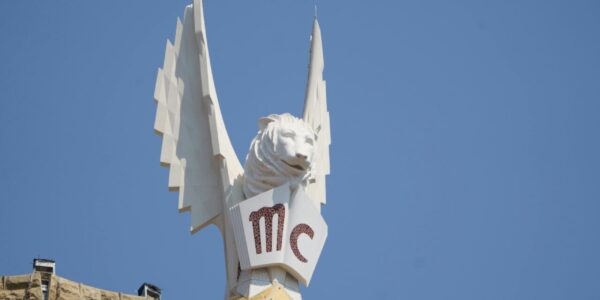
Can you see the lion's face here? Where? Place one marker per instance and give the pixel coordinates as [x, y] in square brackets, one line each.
[294, 145]
[282, 151]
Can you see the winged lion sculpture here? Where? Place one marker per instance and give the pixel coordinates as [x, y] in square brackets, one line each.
[203, 166]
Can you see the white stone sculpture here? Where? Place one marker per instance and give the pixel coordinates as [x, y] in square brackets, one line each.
[287, 154]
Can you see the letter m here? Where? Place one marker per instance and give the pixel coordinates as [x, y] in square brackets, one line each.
[268, 213]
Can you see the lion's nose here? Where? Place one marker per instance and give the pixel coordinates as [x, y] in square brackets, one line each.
[302, 156]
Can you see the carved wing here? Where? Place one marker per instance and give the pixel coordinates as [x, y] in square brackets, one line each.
[317, 116]
[195, 145]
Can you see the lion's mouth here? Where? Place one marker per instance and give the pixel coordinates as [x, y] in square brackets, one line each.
[297, 167]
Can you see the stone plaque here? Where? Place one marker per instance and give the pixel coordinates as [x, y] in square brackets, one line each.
[277, 228]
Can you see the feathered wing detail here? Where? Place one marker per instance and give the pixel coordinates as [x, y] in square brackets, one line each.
[195, 145]
[317, 116]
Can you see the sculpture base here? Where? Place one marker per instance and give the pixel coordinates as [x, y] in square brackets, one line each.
[255, 282]
[275, 292]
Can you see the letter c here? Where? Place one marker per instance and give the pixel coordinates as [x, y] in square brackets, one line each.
[296, 232]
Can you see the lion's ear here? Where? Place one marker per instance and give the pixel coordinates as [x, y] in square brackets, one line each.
[264, 121]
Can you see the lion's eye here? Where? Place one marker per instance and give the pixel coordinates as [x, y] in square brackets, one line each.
[289, 134]
[309, 141]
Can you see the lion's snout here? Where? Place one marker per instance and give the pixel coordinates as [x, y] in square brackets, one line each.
[303, 159]
[301, 156]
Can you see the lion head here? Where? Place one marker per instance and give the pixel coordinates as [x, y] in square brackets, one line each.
[282, 152]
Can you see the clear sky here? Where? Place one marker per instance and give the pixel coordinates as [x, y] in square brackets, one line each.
[464, 157]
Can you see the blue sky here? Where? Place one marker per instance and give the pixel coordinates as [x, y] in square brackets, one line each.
[465, 141]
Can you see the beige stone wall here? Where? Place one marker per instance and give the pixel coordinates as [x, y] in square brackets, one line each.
[29, 287]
